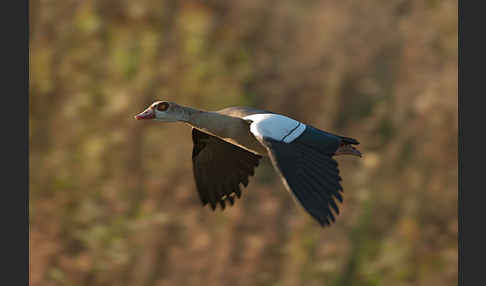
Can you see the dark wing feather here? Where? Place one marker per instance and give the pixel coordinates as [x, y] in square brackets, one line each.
[309, 172]
[219, 167]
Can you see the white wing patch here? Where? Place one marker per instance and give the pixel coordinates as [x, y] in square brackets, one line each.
[275, 126]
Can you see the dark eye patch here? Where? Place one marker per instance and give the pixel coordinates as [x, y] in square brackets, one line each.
[162, 106]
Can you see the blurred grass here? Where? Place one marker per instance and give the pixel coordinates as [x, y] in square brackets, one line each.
[112, 201]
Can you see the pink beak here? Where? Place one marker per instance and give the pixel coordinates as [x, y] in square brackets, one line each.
[147, 114]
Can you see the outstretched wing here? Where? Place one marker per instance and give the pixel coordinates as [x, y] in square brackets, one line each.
[219, 168]
[302, 155]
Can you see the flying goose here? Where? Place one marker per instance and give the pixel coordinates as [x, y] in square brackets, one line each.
[229, 143]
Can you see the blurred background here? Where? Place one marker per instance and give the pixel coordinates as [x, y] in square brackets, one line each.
[113, 201]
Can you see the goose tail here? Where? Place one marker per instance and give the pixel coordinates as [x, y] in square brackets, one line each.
[346, 147]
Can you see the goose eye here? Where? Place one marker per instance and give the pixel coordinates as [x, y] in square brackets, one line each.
[162, 106]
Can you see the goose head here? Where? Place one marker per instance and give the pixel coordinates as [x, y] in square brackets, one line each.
[162, 111]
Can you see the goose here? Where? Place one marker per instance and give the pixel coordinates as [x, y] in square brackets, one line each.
[229, 143]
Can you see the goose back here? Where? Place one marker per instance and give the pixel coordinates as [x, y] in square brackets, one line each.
[241, 111]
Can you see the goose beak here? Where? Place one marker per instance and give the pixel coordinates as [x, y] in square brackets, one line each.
[147, 114]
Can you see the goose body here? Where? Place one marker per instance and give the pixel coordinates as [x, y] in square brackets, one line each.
[229, 143]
